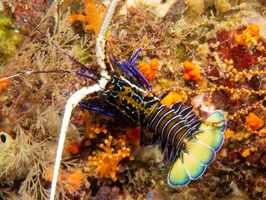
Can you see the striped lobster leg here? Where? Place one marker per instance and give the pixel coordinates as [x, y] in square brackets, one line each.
[190, 144]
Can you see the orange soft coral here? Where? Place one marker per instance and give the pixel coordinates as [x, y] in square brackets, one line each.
[191, 71]
[247, 152]
[3, 83]
[94, 16]
[73, 179]
[228, 133]
[107, 161]
[149, 70]
[249, 36]
[171, 98]
[92, 129]
[73, 147]
[253, 121]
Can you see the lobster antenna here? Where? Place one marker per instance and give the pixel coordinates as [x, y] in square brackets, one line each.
[57, 48]
[47, 71]
[80, 94]
[100, 40]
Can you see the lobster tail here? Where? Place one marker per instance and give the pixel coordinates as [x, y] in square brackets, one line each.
[198, 151]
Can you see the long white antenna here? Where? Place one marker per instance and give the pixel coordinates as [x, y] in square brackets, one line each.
[107, 20]
[72, 102]
[100, 40]
[80, 94]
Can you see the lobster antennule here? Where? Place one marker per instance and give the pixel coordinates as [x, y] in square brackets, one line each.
[131, 71]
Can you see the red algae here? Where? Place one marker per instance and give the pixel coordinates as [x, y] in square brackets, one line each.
[133, 133]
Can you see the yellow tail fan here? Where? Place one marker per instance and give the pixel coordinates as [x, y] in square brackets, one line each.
[198, 150]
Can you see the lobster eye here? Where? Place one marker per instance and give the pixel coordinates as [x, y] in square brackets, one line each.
[115, 74]
[3, 138]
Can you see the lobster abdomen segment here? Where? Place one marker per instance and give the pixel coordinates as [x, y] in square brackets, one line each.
[170, 126]
[189, 144]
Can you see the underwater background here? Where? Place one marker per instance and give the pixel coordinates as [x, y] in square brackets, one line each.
[211, 51]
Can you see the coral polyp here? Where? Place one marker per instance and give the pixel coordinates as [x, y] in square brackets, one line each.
[191, 71]
[249, 36]
[253, 121]
[93, 17]
[107, 161]
[149, 70]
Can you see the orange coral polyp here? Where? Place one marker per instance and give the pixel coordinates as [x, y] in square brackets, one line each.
[94, 16]
[253, 121]
[75, 179]
[248, 37]
[92, 129]
[191, 71]
[107, 161]
[149, 70]
[228, 133]
[171, 98]
[254, 30]
[48, 174]
[4, 82]
[73, 147]
[246, 153]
